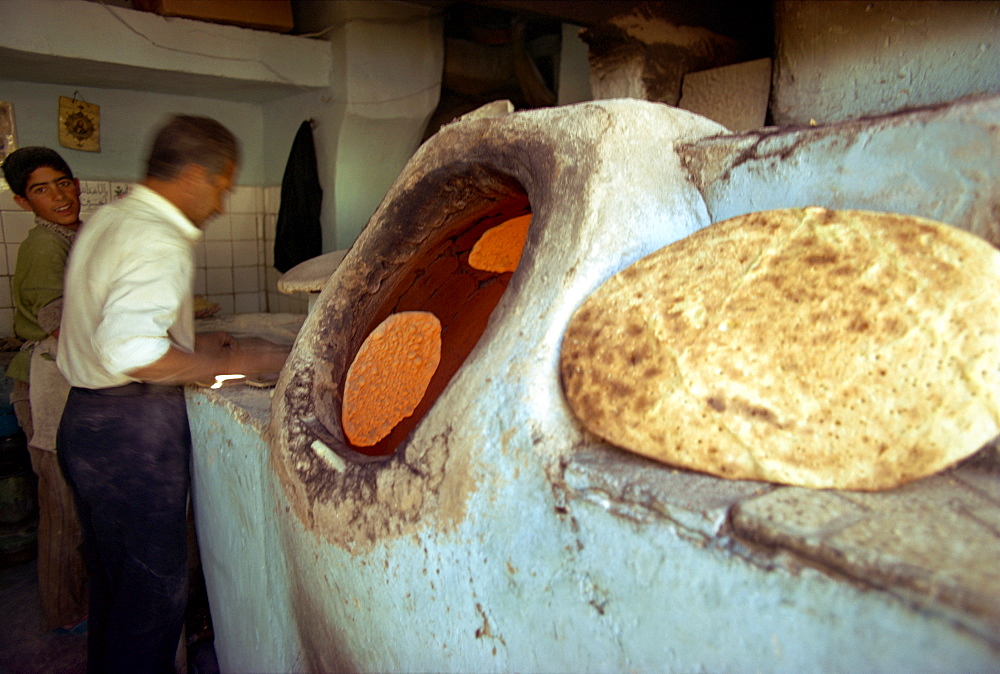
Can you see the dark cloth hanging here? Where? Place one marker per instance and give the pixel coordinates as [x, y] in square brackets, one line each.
[298, 236]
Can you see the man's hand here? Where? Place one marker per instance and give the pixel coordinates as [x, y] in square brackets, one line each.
[215, 353]
[257, 356]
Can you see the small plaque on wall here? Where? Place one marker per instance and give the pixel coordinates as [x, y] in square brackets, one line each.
[79, 124]
[8, 136]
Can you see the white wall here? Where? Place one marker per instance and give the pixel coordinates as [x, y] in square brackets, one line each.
[387, 64]
[128, 120]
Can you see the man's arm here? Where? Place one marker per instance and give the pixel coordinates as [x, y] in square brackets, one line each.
[214, 354]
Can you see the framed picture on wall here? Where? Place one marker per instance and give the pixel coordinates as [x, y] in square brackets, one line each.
[8, 136]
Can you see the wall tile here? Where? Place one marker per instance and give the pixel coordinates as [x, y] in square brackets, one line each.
[199, 254]
[219, 228]
[247, 303]
[16, 225]
[120, 189]
[244, 226]
[288, 304]
[270, 226]
[200, 283]
[233, 262]
[7, 202]
[245, 253]
[224, 301]
[244, 199]
[218, 254]
[272, 199]
[7, 322]
[219, 280]
[93, 195]
[12, 249]
[6, 299]
[245, 279]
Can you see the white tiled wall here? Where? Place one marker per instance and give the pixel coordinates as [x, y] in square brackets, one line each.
[233, 261]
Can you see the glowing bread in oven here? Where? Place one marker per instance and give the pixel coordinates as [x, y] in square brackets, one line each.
[389, 375]
[499, 248]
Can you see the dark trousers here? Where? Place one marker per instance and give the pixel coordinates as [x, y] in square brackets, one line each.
[126, 458]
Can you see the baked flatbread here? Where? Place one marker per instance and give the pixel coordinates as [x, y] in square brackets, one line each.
[847, 349]
[389, 375]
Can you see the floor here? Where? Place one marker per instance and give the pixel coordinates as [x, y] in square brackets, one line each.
[26, 649]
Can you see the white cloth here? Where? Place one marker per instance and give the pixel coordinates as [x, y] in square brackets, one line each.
[48, 393]
[128, 292]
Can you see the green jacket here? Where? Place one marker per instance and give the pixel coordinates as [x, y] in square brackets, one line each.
[37, 281]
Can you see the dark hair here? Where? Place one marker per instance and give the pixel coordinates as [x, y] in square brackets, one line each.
[20, 164]
[187, 140]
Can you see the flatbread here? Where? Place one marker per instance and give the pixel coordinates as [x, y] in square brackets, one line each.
[499, 249]
[389, 375]
[828, 349]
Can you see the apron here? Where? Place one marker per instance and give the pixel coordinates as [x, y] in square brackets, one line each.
[48, 390]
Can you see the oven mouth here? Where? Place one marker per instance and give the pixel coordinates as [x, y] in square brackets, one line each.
[441, 281]
[433, 275]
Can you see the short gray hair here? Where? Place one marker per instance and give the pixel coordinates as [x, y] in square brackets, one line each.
[184, 140]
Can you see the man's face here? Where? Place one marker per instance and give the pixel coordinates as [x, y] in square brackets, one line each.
[52, 195]
[210, 190]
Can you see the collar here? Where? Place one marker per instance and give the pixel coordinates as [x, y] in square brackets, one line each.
[167, 209]
[61, 231]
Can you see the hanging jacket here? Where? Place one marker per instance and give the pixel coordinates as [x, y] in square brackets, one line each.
[298, 236]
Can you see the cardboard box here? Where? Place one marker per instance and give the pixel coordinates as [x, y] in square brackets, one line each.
[275, 15]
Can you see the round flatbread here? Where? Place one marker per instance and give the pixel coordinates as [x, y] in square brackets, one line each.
[499, 249]
[389, 375]
[819, 348]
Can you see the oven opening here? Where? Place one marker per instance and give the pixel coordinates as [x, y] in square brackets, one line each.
[426, 325]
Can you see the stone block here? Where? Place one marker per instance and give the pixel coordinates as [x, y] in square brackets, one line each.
[735, 95]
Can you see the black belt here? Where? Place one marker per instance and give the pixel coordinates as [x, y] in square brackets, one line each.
[136, 388]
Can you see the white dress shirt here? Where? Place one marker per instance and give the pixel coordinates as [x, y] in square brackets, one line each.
[128, 293]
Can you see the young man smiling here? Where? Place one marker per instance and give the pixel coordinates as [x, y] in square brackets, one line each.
[43, 183]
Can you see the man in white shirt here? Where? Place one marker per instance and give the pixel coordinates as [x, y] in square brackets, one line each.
[127, 345]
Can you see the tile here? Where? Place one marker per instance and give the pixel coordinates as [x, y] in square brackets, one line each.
[270, 226]
[6, 300]
[245, 253]
[7, 322]
[93, 195]
[219, 280]
[244, 226]
[272, 199]
[219, 229]
[272, 275]
[12, 249]
[218, 254]
[199, 254]
[224, 301]
[269, 254]
[244, 199]
[120, 189]
[7, 202]
[247, 303]
[16, 225]
[245, 280]
[287, 304]
[5, 269]
[200, 283]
